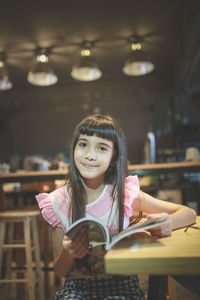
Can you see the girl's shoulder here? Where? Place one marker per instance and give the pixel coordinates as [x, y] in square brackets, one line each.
[131, 192]
[54, 205]
[132, 184]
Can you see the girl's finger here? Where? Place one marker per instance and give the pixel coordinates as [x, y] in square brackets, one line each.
[80, 250]
[80, 246]
[80, 235]
[161, 217]
[161, 231]
[80, 239]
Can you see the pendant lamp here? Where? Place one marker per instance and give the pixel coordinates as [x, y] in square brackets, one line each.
[86, 68]
[137, 64]
[41, 73]
[5, 83]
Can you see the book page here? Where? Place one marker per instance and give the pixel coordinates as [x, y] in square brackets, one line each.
[144, 225]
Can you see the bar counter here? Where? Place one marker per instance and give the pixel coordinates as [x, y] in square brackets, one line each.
[51, 175]
[140, 170]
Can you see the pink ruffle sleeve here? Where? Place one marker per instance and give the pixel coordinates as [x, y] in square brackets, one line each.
[131, 191]
[47, 210]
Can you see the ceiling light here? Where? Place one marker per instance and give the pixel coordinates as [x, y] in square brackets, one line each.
[41, 73]
[5, 83]
[136, 63]
[86, 68]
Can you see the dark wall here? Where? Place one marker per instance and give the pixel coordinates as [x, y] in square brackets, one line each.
[42, 120]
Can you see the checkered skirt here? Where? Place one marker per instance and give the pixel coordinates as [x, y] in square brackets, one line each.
[108, 288]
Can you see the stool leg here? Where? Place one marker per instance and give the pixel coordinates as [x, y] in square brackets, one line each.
[9, 261]
[28, 251]
[38, 258]
[9, 251]
[2, 241]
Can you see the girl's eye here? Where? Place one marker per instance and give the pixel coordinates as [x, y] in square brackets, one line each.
[82, 144]
[102, 149]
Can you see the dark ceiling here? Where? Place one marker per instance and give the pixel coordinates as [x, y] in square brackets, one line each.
[170, 35]
[169, 31]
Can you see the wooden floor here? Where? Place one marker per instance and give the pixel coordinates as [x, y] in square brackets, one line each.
[10, 292]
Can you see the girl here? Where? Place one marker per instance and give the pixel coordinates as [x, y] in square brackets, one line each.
[97, 185]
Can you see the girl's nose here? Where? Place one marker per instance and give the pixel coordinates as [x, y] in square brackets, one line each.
[91, 154]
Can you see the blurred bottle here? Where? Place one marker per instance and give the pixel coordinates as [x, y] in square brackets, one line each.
[150, 148]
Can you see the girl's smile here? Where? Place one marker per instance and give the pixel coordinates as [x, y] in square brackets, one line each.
[92, 156]
[89, 166]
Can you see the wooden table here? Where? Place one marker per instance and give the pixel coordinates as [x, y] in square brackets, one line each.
[178, 254]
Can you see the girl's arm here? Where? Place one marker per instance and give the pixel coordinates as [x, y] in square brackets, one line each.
[176, 215]
[65, 250]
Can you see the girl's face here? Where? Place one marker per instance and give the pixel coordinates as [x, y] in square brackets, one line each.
[92, 156]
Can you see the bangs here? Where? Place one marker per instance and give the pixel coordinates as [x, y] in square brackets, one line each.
[100, 129]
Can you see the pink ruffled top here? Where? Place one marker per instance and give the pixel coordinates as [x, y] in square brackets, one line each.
[56, 206]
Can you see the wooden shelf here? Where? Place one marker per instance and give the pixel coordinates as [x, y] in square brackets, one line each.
[140, 170]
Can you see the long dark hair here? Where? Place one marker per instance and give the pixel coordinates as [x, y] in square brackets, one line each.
[106, 127]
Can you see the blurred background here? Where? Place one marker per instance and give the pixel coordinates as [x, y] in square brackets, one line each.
[139, 62]
[60, 61]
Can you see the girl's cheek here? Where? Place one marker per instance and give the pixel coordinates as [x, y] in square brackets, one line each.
[78, 153]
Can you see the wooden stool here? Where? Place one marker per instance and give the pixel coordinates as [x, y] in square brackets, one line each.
[30, 244]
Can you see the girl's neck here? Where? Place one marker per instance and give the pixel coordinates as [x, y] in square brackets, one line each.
[93, 184]
[93, 193]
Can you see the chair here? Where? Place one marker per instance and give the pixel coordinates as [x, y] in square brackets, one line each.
[9, 220]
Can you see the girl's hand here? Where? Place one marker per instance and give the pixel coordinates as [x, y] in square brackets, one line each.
[164, 230]
[78, 247]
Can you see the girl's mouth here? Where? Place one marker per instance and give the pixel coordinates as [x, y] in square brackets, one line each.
[89, 166]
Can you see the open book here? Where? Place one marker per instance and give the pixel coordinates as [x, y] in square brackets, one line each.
[98, 233]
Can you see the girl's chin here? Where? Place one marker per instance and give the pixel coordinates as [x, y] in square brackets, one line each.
[92, 177]
[89, 173]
